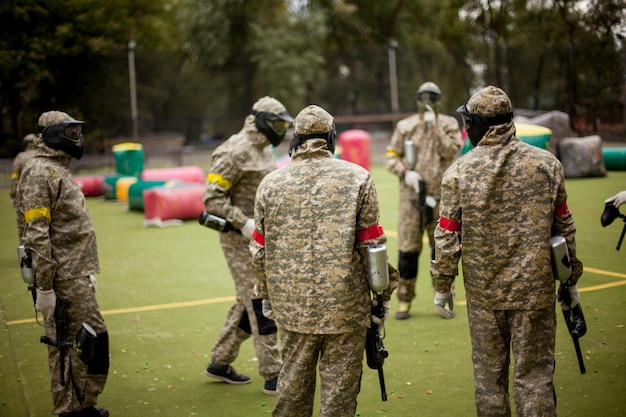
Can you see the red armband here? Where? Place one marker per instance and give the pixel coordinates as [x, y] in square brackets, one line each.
[369, 233]
[561, 210]
[258, 238]
[449, 225]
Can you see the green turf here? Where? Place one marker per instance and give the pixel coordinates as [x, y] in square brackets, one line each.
[165, 293]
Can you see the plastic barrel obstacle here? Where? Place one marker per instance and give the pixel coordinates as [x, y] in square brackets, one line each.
[90, 185]
[355, 147]
[192, 174]
[128, 158]
[121, 187]
[614, 158]
[535, 135]
[135, 193]
[182, 201]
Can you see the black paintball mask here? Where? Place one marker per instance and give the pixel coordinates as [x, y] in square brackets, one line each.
[330, 137]
[477, 125]
[66, 136]
[272, 125]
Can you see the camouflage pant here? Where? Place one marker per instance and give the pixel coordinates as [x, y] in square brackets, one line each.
[410, 231]
[530, 334]
[83, 383]
[246, 319]
[340, 360]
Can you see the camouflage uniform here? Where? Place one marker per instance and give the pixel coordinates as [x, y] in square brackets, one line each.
[237, 168]
[435, 149]
[20, 160]
[314, 219]
[54, 224]
[503, 201]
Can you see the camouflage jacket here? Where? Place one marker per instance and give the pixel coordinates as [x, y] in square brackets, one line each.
[314, 219]
[237, 167]
[501, 202]
[434, 150]
[53, 220]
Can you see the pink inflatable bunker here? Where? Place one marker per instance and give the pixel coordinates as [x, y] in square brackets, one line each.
[180, 202]
[90, 185]
[355, 147]
[191, 174]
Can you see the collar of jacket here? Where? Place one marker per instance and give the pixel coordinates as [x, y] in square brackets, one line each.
[312, 148]
[498, 135]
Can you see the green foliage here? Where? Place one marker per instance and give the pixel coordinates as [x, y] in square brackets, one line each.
[201, 64]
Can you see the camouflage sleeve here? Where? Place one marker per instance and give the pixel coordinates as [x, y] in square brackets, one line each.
[224, 174]
[35, 234]
[370, 232]
[449, 140]
[394, 157]
[563, 224]
[257, 248]
[445, 267]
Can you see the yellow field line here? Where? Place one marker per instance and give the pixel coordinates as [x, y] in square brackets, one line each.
[232, 298]
[147, 308]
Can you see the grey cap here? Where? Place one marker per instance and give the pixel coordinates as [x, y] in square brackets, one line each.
[313, 119]
[54, 117]
[490, 101]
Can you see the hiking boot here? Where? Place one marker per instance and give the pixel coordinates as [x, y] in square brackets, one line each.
[226, 373]
[270, 386]
[403, 310]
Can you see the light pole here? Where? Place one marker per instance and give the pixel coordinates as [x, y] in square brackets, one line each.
[133, 87]
[393, 79]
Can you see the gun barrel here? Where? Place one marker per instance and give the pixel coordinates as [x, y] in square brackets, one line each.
[381, 380]
[579, 355]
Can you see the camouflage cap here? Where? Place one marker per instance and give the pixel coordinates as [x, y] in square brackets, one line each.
[429, 87]
[313, 119]
[490, 101]
[54, 117]
[269, 105]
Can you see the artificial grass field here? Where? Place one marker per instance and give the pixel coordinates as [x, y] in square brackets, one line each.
[165, 292]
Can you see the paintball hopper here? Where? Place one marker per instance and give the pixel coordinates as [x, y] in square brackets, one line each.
[609, 215]
[84, 343]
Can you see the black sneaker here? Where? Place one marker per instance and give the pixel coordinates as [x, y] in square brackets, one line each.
[94, 412]
[88, 412]
[226, 373]
[270, 386]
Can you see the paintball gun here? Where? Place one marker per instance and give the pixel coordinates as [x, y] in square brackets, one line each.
[26, 268]
[574, 317]
[609, 215]
[84, 343]
[575, 321]
[424, 204]
[378, 276]
[215, 222]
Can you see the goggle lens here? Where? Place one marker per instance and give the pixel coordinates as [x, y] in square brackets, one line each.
[280, 126]
[428, 97]
[73, 131]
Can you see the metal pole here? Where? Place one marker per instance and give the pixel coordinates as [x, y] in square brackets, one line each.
[133, 88]
[393, 79]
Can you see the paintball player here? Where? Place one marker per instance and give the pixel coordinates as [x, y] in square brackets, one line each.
[504, 200]
[237, 167]
[422, 147]
[19, 162]
[314, 220]
[55, 227]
